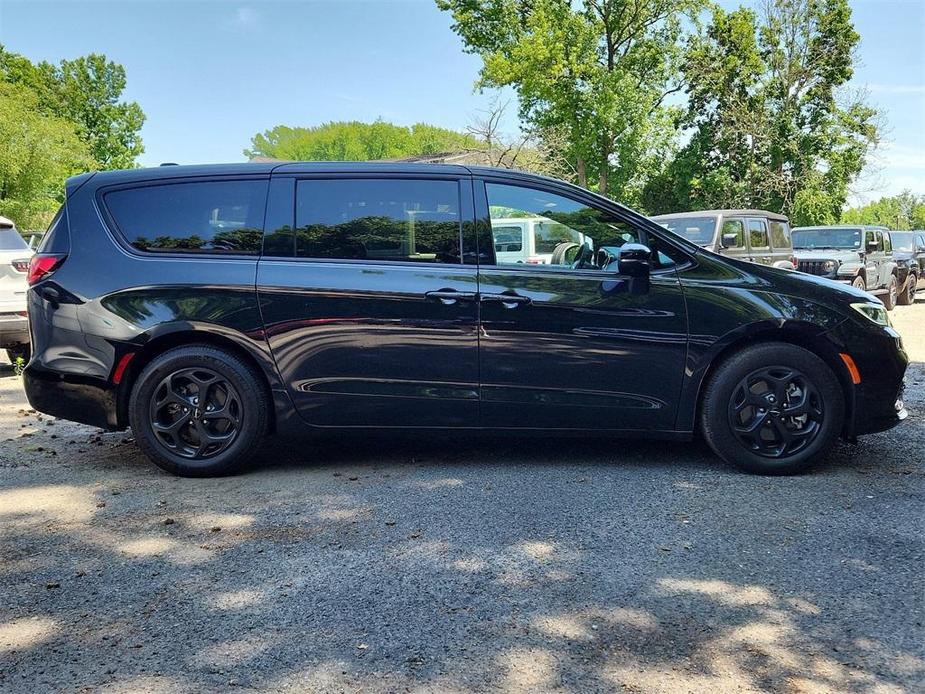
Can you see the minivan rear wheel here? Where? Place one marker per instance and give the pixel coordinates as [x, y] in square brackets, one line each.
[772, 409]
[198, 411]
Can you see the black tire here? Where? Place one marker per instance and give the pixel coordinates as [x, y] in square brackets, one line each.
[907, 295]
[859, 283]
[20, 351]
[811, 440]
[892, 294]
[225, 429]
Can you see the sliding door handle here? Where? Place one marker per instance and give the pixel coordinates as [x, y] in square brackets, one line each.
[448, 297]
[508, 300]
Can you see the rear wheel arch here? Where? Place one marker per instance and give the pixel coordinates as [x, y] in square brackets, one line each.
[183, 338]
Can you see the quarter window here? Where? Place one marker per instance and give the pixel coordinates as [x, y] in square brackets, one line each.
[780, 234]
[757, 233]
[408, 220]
[200, 217]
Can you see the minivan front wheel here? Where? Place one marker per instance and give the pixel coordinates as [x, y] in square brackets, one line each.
[198, 411]
[773, 409]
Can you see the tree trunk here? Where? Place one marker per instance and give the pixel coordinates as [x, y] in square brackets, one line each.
[602, 181]
[582, 172]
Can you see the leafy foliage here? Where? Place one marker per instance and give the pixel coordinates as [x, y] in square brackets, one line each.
[772, 125]
[58, 120]
[356, 141]
[903, 211]
[37, 152]
[598, 71]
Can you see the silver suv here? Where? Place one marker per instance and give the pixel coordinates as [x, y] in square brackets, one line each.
[758, 236]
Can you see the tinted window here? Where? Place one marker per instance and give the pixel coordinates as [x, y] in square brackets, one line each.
[58, 237]
[10, 240]
[698, 230]
[737, 227]
[378, 219]
[780, 234]
[757, 233]
[207, 217]
[565, 232]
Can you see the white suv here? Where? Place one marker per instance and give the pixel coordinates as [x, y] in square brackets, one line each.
[14, 268]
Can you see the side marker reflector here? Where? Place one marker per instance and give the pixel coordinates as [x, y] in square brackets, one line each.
[852, 368]
[121, 366]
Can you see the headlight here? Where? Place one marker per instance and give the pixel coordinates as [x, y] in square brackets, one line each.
[873, 312]
[830, 266]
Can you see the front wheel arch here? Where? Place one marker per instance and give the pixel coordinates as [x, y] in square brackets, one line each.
[819, 346]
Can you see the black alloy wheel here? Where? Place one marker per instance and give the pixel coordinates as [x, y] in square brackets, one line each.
[776, 411]
[195, 413]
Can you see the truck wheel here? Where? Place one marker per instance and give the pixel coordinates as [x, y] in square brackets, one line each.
[907, 296]
[859, 283]
[772, 409]
[198, 411]
[892, 294]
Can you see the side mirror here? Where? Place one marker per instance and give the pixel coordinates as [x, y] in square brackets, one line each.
[871, 246]
[634, 262]
[729, 240]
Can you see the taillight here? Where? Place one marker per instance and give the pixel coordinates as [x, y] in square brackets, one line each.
[40, 266]
[21, 265]
[796, 263]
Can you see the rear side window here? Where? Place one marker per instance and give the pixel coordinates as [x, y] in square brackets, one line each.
[57, 238]
[408, 220]
[757, 233]
[780, 234]
[194, 217]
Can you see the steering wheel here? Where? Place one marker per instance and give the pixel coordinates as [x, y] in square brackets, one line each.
[585, 256]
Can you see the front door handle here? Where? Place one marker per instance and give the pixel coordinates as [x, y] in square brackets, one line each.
[508, 300]
[448, 297]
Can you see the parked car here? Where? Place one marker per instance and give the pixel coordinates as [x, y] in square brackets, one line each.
[909, 254]
[756, 235]
[14, 264]
[206, 307]
[531, 240]
[858, 255]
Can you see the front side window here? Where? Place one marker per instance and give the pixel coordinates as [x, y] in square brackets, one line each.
[192, 217]
[757, 233]
[408, 220]
[736, 227]
[780, 234]
[874, 241]
[560, 232]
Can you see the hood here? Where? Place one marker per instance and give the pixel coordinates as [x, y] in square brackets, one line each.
[827, 253]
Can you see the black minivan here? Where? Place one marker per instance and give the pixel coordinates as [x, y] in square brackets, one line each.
[208, 306]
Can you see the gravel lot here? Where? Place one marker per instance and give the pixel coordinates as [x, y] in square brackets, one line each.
[446, 565]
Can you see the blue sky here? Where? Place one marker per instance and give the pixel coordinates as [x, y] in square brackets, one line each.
[209, 75]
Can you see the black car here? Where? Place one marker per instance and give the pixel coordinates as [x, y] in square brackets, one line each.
[208, 306]
[909, 252]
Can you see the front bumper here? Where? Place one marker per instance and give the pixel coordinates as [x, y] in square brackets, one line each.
[14, 329]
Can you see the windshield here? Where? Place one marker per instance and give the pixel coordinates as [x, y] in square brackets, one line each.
[902, 241]
[10, 240]
[827, 238]
[699, 230]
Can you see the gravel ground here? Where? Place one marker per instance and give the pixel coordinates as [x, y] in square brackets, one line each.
[450, 565]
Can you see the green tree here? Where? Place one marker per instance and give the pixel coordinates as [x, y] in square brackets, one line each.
[598, 71]
[356, 141]
[772, 123]
[86, 91]
[37, 152]
[903, 211]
